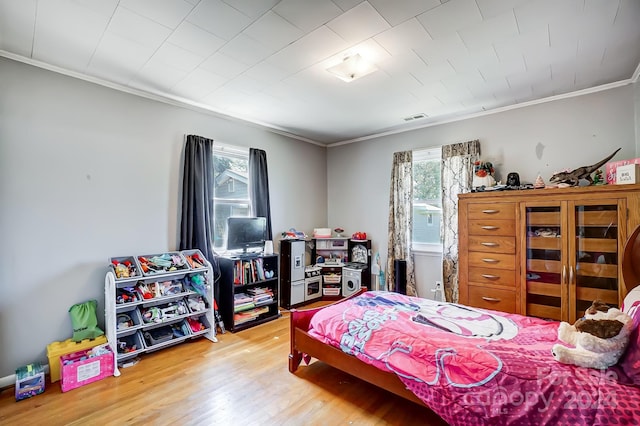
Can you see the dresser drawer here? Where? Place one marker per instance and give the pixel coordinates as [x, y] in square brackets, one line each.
[491, 298]
[492, 260]
[492, 227]
[492, 244]
[492, 211]
[502, 277]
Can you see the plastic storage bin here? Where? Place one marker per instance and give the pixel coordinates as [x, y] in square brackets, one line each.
[198, 325]
[125, 267]
[331, 291]
[130, 345]
[56, 349]
[128, 321]
[79, 369]
[195, 259]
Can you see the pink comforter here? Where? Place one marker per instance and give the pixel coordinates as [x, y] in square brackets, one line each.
[476, 367]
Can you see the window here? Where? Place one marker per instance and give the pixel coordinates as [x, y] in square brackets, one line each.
[231, 189]
[427, 200]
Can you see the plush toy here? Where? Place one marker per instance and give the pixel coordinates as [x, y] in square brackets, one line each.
[599, 339]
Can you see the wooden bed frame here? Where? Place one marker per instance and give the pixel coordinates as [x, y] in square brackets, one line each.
[303, 343]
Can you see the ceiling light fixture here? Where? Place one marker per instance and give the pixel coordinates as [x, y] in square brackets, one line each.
[352, 68]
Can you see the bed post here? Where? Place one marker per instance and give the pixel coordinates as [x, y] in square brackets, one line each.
[295, 357]
[299, 321]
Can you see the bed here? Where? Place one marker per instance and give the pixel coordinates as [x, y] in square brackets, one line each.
[470, 366]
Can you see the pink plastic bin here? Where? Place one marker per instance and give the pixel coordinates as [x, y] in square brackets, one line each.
[83, 371]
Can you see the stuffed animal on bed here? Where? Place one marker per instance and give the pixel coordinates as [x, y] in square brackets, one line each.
[599, 338]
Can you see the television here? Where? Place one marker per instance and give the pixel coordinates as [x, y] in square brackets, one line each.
[244, 233]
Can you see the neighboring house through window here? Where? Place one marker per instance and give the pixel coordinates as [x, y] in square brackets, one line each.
[427, 200]
[231, 190]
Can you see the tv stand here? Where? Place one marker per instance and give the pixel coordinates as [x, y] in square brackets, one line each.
[249, 288]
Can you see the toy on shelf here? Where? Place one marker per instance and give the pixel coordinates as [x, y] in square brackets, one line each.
[124, 347]
[124, 269]
[163, 313]
[195, 324]
[359, 236]
[195, 261]
[196, 303]
[124, 321]
[126, 295]
[162, 263]
[198, 283]
[292, 234]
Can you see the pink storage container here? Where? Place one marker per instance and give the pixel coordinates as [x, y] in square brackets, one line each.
[76, 371]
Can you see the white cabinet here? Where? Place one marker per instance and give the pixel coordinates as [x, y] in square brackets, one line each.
[156, 301]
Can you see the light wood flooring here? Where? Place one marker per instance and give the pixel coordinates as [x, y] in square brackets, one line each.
[241, 380]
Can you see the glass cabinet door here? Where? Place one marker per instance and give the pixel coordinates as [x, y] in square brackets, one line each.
[595, 238]
[545, 257]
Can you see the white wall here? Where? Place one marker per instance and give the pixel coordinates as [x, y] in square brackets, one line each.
[538, 139]
[87, 173]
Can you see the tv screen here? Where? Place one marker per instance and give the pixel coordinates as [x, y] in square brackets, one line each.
[246, 232]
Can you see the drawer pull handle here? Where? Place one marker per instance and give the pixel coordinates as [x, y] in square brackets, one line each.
[491, 299]
[487, 260]
[490, 211]
[490, 277]
[490, 228]
[490, 244]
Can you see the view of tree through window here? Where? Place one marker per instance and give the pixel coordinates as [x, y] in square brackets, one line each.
[427, 197]
[230, 192]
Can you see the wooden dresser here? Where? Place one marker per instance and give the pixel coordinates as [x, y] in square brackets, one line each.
[547, 252]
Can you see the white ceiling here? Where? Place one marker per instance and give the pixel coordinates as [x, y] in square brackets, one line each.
[265, 60]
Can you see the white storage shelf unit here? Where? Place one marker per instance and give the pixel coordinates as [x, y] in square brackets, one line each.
[172, 307]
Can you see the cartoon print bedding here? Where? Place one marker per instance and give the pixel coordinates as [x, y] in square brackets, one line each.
[474, 366]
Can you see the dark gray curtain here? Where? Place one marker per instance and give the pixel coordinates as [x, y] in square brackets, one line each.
[259, 186]
[196, 228]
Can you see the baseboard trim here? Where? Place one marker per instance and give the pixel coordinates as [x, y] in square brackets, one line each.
[7, 381]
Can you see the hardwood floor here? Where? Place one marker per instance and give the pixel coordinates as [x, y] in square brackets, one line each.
[241, 380]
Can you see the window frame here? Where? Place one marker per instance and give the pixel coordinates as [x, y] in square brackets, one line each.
[426, 154]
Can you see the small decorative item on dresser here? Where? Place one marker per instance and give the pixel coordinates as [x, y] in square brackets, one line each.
[539, 184]
[339, 232]
[626, 174]
[483, 174]
[513, 180]
[598, 178]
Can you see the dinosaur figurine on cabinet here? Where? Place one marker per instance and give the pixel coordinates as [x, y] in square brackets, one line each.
[573, 177]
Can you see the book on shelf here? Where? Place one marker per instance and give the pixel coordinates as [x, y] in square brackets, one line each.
[246, 316]
[248, 271]
[261, 295]
[242, 302]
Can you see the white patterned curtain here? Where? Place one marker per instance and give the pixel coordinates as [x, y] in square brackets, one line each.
[457, 176]
[401, 219]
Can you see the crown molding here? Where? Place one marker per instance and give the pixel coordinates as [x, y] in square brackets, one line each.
[155, 96]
